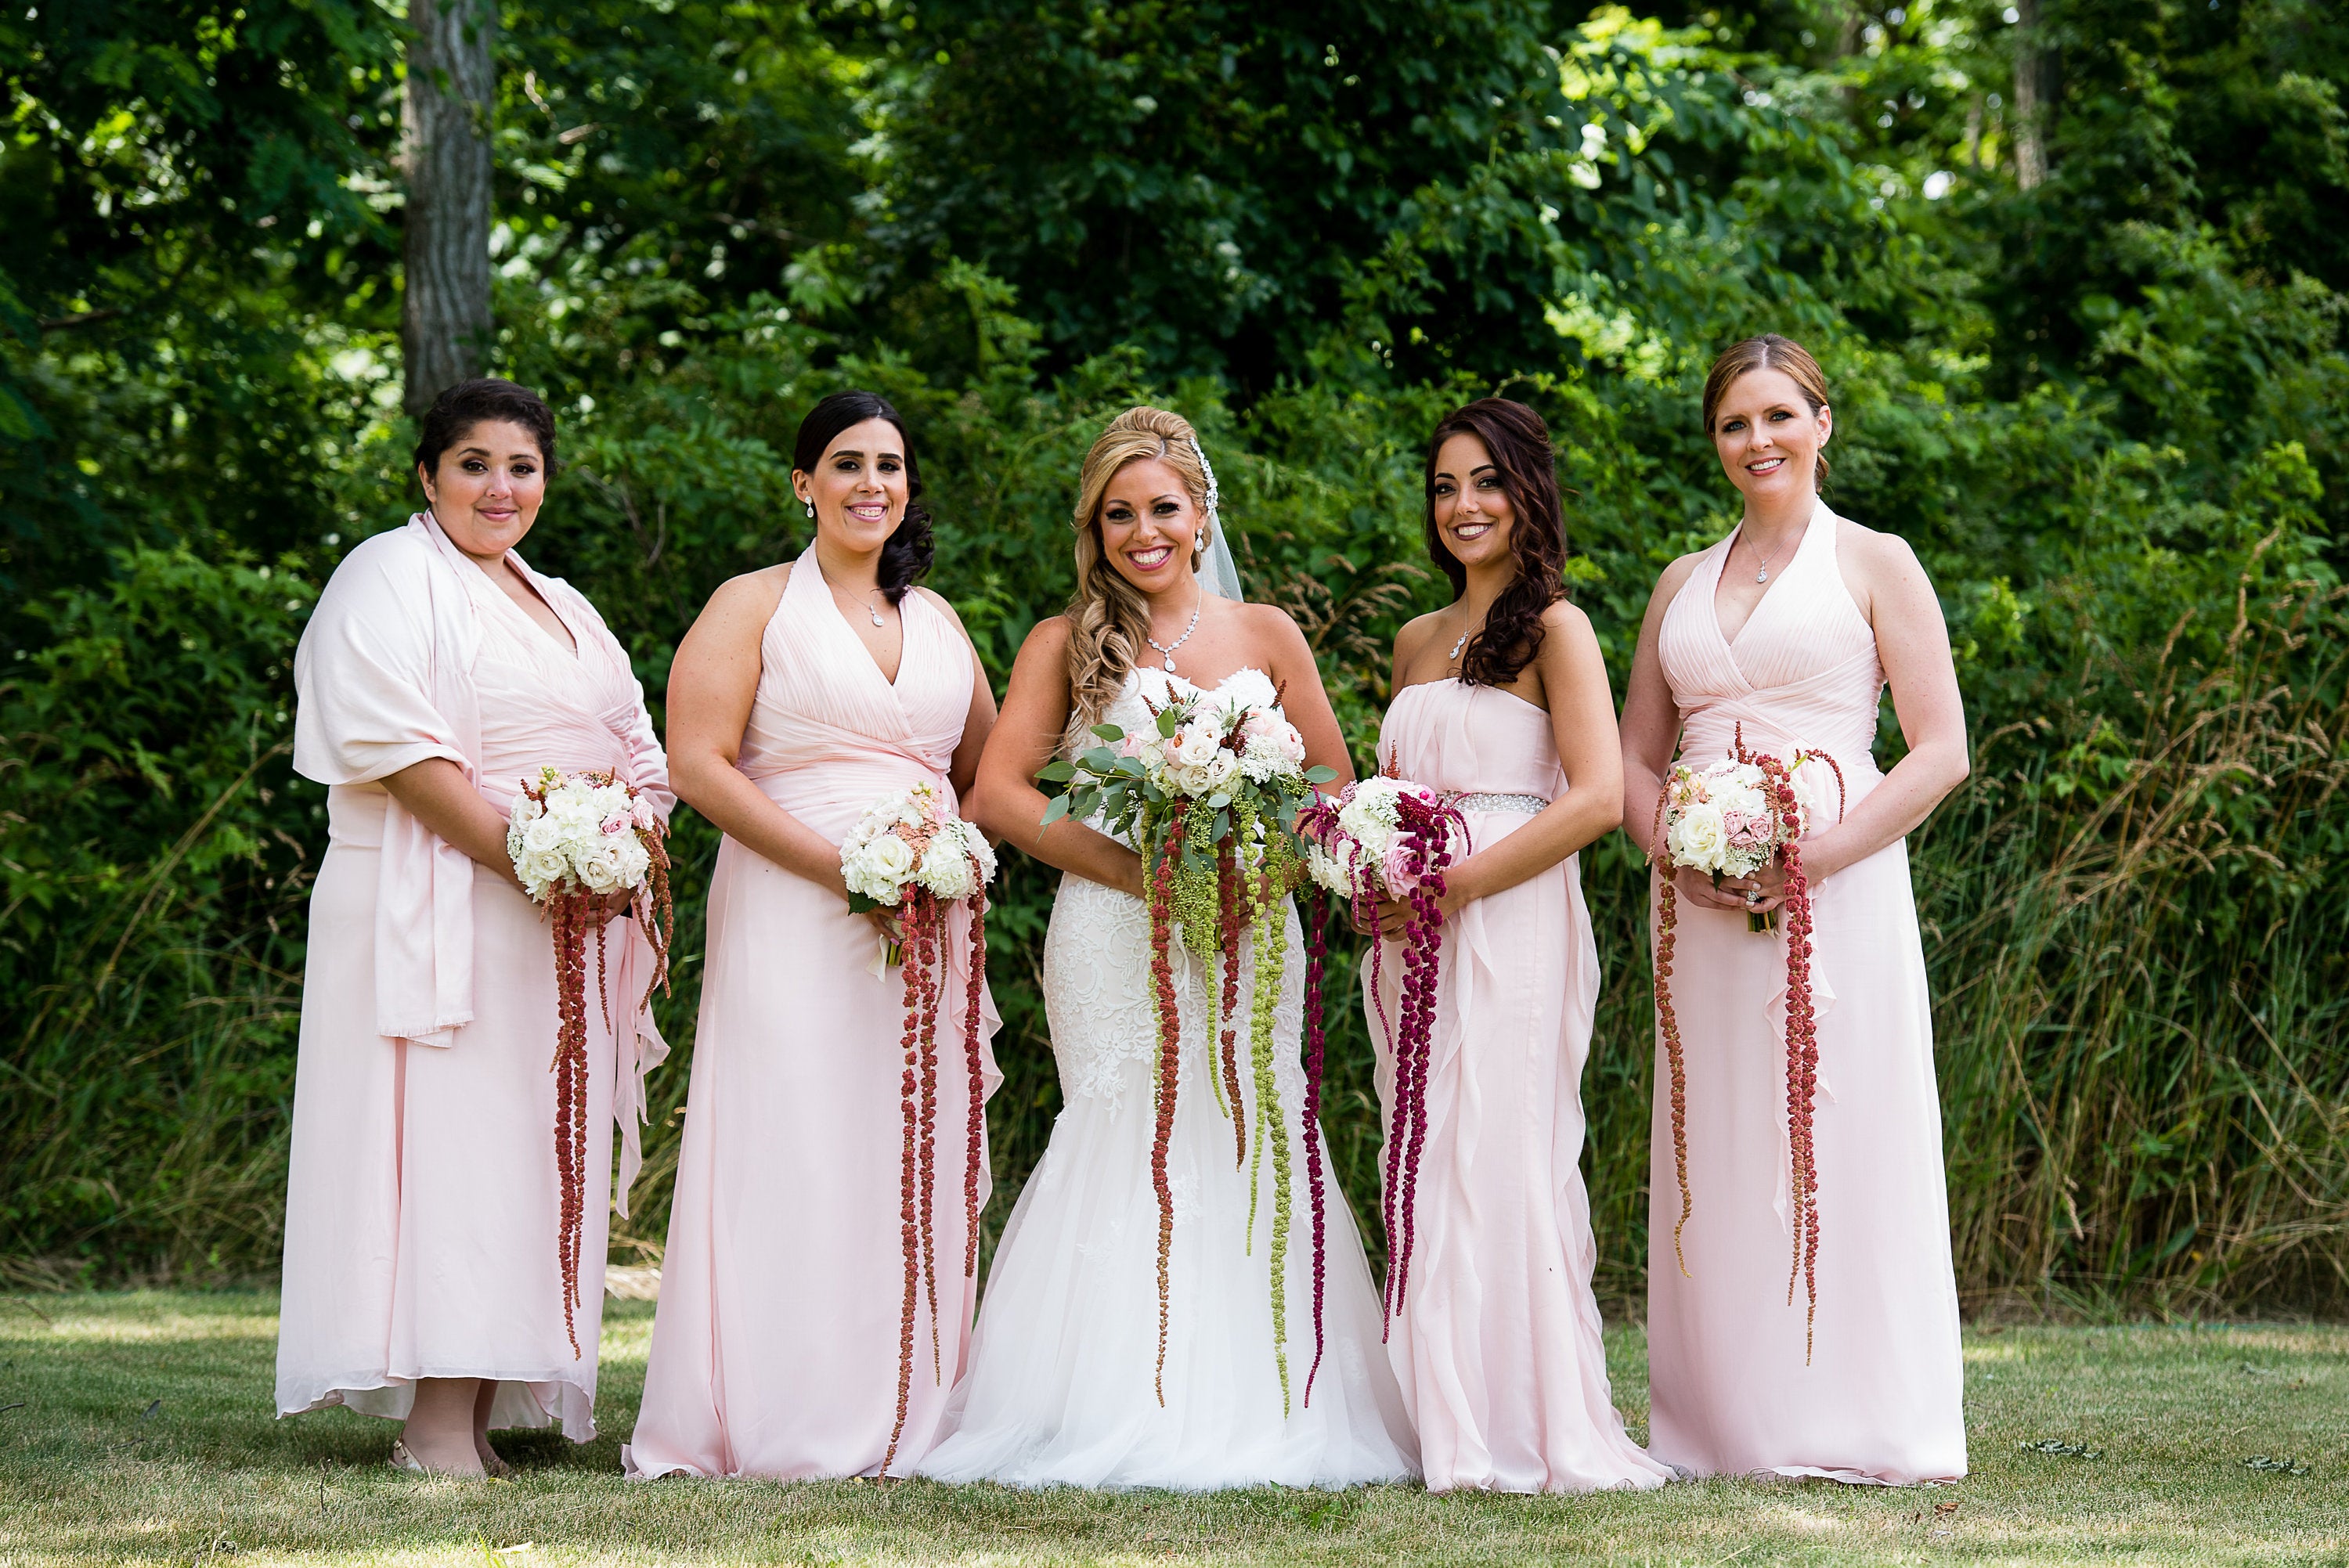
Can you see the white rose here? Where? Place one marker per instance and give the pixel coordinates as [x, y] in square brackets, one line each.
[600, 871]
[544, 867]
[540, 835]
[1194, 745]
[632, 859]
[891, 857]
[1697, 838]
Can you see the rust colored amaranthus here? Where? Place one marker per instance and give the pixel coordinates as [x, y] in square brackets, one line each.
[571, 914]
[926, 926]
[1231, 913]
[1801, 1061]
[1316, 949]
[1170, 1067]
[1802, 1028]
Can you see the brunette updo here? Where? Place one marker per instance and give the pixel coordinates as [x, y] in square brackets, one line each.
[906, 556]
[483, 401]
[1519, 445]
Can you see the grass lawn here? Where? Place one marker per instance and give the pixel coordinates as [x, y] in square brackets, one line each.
[138, 1430]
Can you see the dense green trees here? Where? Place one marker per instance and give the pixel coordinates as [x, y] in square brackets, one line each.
[2108, 407]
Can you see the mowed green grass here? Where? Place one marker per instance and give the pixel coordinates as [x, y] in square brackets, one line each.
[139, 1431]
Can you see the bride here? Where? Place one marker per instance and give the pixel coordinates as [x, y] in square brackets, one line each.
[1062, 1387]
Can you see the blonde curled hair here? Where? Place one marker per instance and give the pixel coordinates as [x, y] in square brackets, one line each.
[1109, 617]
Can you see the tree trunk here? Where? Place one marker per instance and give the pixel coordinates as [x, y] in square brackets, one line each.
[444, 312]
[2030, 101]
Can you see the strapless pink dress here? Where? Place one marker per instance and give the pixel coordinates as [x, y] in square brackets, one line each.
[1881, 1397]
[1497, 1347]
[775, 1346]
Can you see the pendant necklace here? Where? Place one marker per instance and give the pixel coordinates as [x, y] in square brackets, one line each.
[1763, 573]
[874, 611]
[1462, 642]
[1168, 648]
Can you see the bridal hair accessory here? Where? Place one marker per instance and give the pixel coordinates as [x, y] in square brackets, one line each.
[1732, 818]
[1214, 491]
[574, 839]
[910, 852]
[1383, 838]
[1210, 795]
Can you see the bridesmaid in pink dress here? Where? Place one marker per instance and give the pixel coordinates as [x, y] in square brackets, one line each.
[422, 1204]
[1501, 700]
[805, 692]
[1792, 628]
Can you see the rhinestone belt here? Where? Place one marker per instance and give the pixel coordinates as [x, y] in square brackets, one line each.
[1529, 804]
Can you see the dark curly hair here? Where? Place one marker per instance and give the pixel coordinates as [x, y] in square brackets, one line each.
[1520, 448]
[909, 551]
[459, 408]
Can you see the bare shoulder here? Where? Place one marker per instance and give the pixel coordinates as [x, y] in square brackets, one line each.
[1047, 639]
[1675, 577]
[1273, 623]
[1414, 636]
[1568, 624]
[748, 600]
[1882, 561]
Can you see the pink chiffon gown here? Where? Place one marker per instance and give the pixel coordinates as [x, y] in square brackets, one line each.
[1497, 1347]
[422, 1204]
[1879, 1399]
[775, 1348]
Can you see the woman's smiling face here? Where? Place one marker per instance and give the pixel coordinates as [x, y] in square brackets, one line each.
[859, 486]
[1150, 525]
[486, 492]
[1769, 438]
[1472, 508]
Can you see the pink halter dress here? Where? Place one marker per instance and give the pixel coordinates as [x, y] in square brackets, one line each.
[1732, 1394]
[775, 1348]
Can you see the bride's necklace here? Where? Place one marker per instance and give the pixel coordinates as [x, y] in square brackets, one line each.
[1168, 648]
[1762, 573]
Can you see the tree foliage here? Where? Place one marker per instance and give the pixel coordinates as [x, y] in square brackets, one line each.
[2109, 410]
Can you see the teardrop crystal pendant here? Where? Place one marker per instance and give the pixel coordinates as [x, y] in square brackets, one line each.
[876, 617]
[1170, 663]
[1763, 575]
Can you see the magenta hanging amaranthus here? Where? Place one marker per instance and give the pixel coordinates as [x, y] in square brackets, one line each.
[1383, 838]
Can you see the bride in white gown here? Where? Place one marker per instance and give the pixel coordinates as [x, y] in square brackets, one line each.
[1062, 1384]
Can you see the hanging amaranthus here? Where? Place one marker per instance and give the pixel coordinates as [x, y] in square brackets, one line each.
[1209, 799]
[576, 839]
[912, 854]
[1731, 819]
[1383, 838]
[1169, 1019]
[1317, 948]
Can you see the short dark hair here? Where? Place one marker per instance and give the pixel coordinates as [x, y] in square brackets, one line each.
[1527, 464]
[470, 403]
[910, 550]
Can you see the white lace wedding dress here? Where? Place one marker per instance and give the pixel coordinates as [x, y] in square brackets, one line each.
[1060, 1386]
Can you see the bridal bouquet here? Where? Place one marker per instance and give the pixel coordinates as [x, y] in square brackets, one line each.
[1209, 795]
[1732, 818]
[1383, 838]
[911, 853]
[574, 839]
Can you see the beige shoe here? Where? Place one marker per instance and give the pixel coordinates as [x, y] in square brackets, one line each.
[401, 1459]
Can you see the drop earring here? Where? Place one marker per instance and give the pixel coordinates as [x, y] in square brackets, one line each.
[811, 509]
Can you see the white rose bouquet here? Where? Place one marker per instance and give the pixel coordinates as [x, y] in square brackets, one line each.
[574, 839]
[1210, 795]
[1731, 817]
[911, 853]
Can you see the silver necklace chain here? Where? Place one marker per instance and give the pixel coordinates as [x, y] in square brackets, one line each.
[1168, 648]
[1762, 573]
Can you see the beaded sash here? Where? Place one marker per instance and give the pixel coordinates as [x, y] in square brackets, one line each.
[1529, 804]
